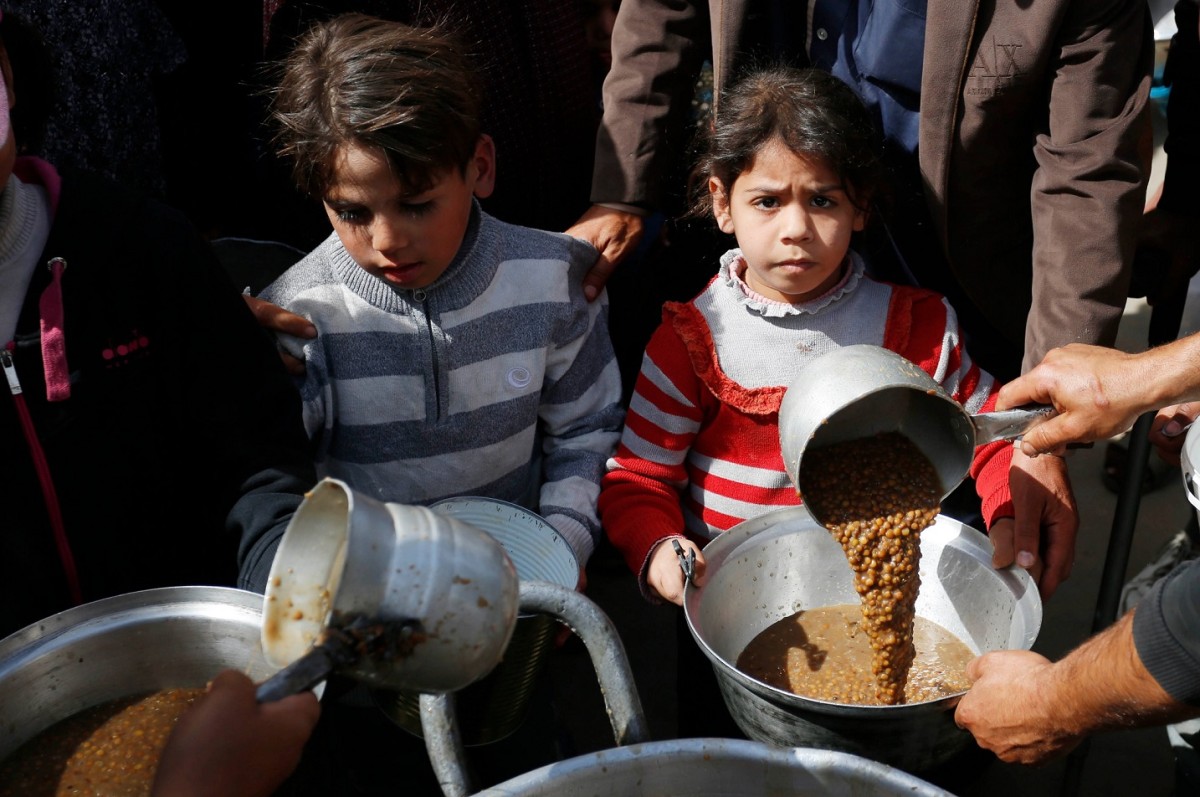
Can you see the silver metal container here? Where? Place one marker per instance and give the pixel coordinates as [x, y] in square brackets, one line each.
[345, 555]
[494, 707]
[862, 390]
[726, 767]
[772, 566]
[174, 637]
[1189, 459]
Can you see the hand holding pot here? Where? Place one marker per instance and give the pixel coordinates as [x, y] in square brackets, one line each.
[1098, 392]
[1040, 537]
[1167, 430]
[1006, 711]
[230, 744]
[664, 575]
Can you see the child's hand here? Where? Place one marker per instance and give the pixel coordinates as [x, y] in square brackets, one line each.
[276, 319]
[665, 576]
[229, 745]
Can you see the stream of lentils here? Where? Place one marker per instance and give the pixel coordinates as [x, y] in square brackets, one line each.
[875, 495]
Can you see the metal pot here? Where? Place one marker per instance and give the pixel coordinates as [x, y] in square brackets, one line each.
[1189, 458]
[449, 586]
[494, 706]
[174, 637]
[729, 767]
[772, 566]
[863, 390]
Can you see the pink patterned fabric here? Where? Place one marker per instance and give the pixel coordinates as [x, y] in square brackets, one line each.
[54, 342]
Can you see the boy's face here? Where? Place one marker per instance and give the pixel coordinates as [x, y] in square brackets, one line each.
[406, 239]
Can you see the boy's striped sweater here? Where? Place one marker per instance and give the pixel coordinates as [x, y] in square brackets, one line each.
[498, 380]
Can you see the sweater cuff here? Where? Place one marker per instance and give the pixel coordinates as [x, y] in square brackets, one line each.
[991, 483]
[576, 535]
[1164, 633]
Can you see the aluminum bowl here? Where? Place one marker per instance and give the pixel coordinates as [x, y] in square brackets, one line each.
[173, 637]
[777, 564]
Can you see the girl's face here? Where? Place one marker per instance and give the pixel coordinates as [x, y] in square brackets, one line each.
[406, 239]
[792, 220]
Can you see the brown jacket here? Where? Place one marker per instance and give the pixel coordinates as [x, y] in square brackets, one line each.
[1034, 143]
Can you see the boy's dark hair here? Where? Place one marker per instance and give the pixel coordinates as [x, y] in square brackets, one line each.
[812, 112]
[356, 79]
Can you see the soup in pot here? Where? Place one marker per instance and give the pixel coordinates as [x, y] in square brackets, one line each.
[109, 750]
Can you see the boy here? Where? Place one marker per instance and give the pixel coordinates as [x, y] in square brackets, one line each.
[456, 354]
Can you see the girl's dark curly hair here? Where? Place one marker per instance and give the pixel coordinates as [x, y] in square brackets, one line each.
[813, 113]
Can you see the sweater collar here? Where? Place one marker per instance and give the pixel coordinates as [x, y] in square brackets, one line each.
[463, 280]
[732, 274]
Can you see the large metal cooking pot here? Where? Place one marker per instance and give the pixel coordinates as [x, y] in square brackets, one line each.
[726, 767]
[768, 568]
[174, 637]
[862, 390]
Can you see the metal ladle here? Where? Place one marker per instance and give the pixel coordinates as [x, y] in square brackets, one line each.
[863, 390]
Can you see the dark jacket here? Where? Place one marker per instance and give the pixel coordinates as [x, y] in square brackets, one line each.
[182, 431]
[1033, 120]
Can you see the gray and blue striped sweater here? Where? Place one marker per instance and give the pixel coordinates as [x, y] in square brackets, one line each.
[498, 380]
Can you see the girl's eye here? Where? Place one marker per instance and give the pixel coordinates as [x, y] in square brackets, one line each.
[766, 203]
[822, 202]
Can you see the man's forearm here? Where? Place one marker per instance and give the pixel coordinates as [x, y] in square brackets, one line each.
[1103, 685]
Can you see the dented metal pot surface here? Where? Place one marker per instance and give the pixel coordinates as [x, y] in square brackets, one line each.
[448, 588]
[772, 566]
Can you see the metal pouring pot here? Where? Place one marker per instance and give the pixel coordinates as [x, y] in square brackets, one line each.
[862, 390]
[412, 598]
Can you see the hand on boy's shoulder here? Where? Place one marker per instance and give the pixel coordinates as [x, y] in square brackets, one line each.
[275, 319]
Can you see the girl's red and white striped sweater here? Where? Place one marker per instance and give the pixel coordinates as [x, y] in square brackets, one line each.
[700, 450]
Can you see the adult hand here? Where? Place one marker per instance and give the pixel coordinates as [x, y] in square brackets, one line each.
[275, 319]
[665, 576]
[1098, 392]
[1167, 430]
[1009, 710]
[229, 745]
[615, 234]
[1041, 535]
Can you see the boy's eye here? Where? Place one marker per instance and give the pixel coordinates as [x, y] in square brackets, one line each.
[417, 208]
[351, 216]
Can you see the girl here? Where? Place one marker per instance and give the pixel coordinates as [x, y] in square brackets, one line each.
[791, 167]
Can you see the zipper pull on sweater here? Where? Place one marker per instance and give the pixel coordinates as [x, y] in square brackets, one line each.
[10, 370]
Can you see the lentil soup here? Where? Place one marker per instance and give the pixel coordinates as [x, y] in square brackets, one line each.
[109, 750]
[823, 654]
[876, 494]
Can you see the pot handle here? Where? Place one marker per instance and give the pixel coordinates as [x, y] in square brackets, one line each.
[1191, 488]
[1009, 424]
